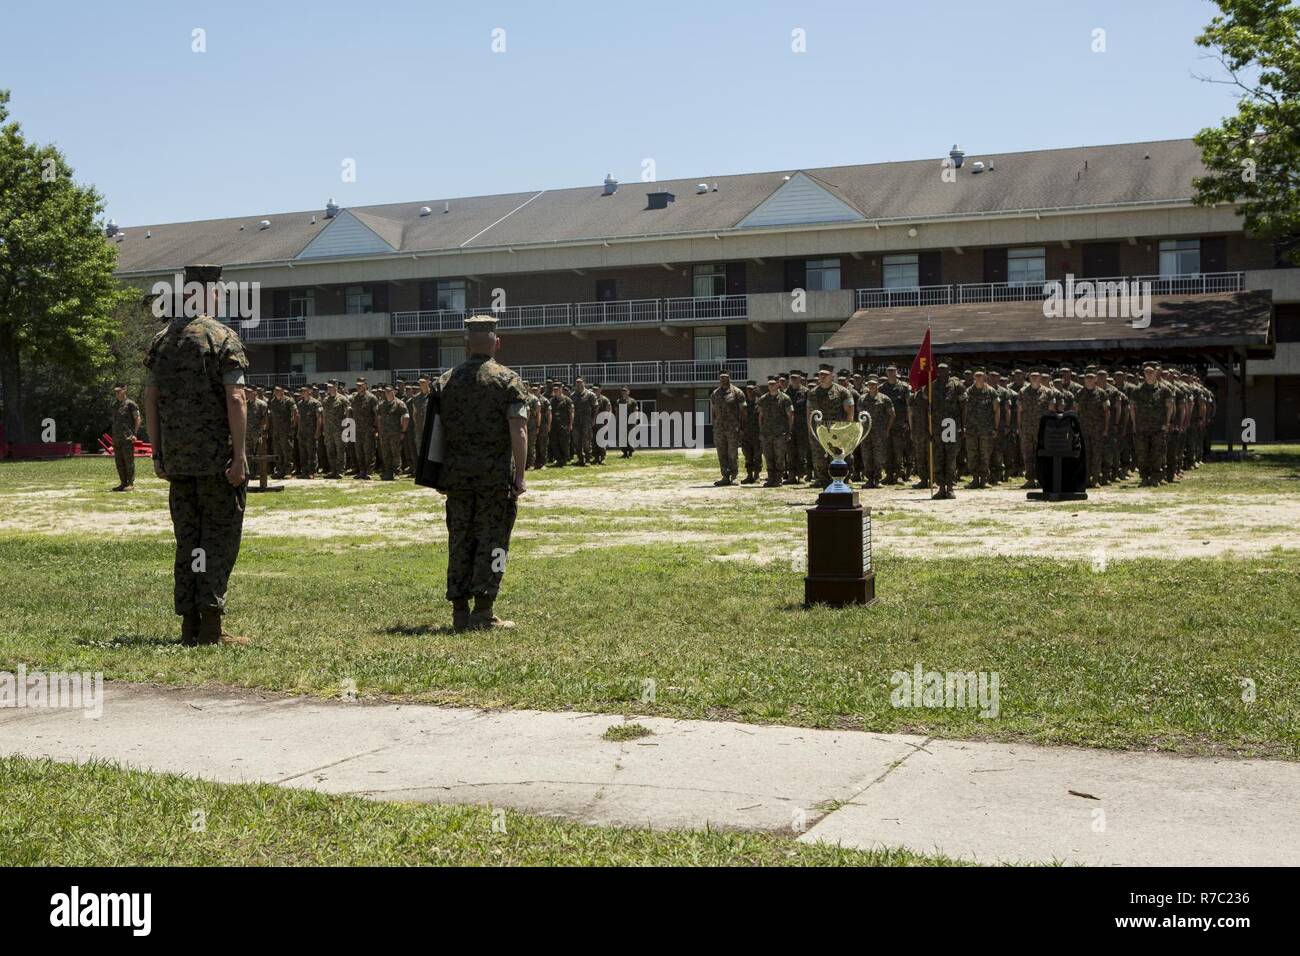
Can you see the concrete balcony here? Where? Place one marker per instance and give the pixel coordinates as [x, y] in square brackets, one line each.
[412, 375]
[540, 373]
[1197, 283]
[620, 373]
[617, 312]
[1283, 283]
[316, 328]
[429, 322]
[836, 305]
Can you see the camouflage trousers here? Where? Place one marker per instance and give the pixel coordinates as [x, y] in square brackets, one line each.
[306, 453]
[900, 442]
[821, 466]
[1150, 453]
[560, 444]
[531, 455]
[1012, 465]
[997, 459]
[408, 448]
[979, 453]
[775, 452]
[1094, 443]
[797, 458]
[1029, 451]
[390, 454]
[124, 459]
[543, 442]
[727, 444]
[478, 539]
[208, 519]
[921, 453]
[752, 446]
[336, 459]
[1173, 454]
[875, 456]
[1110, 457]
[582, 439]
[282, 449]
[945, 461]
[365, 450]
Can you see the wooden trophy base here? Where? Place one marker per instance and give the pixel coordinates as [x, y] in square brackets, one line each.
[839, 552]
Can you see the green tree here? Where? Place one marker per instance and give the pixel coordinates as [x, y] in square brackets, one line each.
[57, 290]
[1253, 156]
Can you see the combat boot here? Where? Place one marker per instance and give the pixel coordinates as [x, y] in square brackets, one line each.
[482, 618]
[460, 614]
[190, 628]
[211, 631]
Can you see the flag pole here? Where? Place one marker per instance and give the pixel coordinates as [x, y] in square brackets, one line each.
[929, 410]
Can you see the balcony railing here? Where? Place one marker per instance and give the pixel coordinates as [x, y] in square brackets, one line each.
[695, 371]
[919, 296]
[540, 373]
[619, 373]
[616, 312]
[901, 298]
[287, 379]
[428, 322]
[265, 329]
[703, 308]
[412, 375]
[531, 316]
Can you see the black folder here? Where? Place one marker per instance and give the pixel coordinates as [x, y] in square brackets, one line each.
[428, 463]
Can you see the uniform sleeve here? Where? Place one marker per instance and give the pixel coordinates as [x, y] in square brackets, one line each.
[516, 398]
[233, 361]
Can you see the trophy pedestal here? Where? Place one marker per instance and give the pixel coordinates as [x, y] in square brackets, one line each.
[839, 552]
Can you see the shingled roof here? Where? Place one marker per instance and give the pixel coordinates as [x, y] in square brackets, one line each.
[1042, 180]
[1212, 321]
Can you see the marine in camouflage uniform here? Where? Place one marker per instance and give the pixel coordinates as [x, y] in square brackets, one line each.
[875, 445]
[799, 460]
[751, 443]
[1153, 406]
[1118, 408]
[630, 407]
[484, 410]
[1177, 425]
[562, 413]
[983, 416]
[585, 406]
[310, 423]
[1033, 405]
[365, 421]
[543, 430]
[604, 410]
[534, 404]
[727, 404]
[918, 409]
[126, 424]
[948, 417]
[775, 413]
[334, 409]
[835, 403]
[258, 415]
[394, 420]
[1093, 408]
[197, 418]
[283, 413]
[900, 435]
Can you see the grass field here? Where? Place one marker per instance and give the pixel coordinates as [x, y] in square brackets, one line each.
[1128, 621]
[90, 815]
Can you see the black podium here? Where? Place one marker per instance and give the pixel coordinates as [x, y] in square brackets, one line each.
[839, 548]
[1062, 459]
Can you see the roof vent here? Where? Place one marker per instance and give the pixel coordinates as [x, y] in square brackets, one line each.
[331, 209]
[425, 211]
[264, 224]
[313, 220]
[715, 187]
[611, 185]
[977, 167]
[659, 199]
[957, 155]
[110, 229]
[148, 234]
[446, 207]
[701, 187]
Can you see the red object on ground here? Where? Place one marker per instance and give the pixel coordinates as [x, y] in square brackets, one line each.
[143, 449]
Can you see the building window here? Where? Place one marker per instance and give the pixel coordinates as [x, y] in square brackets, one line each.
[361, 357]
[1027, 266]
[709, 280]
[711, 344]
[451, 295]
[823, 275]
[902, 272]
[359, 299]
[817, 334]
[1180, 257]
[303, 362]
[302, 303]
[704, 408]
[449, 356]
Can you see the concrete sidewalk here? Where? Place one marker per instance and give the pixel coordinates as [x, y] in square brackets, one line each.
[989, 802]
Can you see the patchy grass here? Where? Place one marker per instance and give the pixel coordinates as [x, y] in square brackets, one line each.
[55, 814]
[623, 732]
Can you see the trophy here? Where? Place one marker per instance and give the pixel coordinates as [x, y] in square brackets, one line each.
[838, 440]
[839, 528]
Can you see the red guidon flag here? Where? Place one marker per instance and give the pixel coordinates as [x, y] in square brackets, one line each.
[922, 373]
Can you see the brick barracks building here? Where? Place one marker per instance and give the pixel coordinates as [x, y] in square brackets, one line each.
[660, 286]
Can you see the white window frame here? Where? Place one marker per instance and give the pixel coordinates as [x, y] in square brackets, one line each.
[302, 303]
[360, 357]
[451, 295]
[358, 299]
[449, 356]
[822, 275]
[716, 336]
[901, 271]
[1027, 266]
[303, 361]
[1174, 256]
[709, 280]
[816, 334]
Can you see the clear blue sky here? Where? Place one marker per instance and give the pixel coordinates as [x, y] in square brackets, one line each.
[412, 91]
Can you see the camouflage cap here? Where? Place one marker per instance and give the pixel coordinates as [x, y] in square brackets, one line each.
[480, 323]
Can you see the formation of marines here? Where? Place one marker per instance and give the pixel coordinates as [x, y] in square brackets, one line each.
[984, 424]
